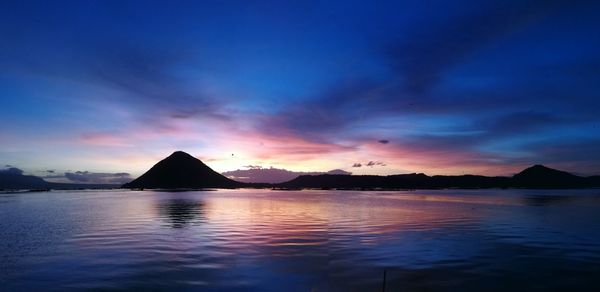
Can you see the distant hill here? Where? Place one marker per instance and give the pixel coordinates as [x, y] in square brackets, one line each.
[271, 175]
[14, 179]
[399, 181]
[537, 176]
[181, 170]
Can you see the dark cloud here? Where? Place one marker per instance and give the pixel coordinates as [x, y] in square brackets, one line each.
[521, 122]
[98, 177]
[425, 55]
[420, 60]
[272, 175]
[138, 75]
[467, 76]
[375, 163]
[467, 141]
[343, 104]
[575, 154]
[143, 78]
[358, 164]
[144, 75]
[253, 166]
[50, 171]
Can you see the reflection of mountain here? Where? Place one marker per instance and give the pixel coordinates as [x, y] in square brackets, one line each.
[547, 200]
[181, 170]
[181, 212]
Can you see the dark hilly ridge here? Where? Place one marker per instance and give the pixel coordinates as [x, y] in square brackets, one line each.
[180, 171]
[14, 179]
[537, 176]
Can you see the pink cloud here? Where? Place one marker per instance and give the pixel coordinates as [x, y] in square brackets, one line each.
[437, 160]
[104, 139]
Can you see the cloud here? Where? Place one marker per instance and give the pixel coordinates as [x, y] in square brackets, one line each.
[253, 166]
[423, 56]
[520, 122]
[317, 119]
[273, 144]
[443, 154]
[576, 155]
[375, 163]
[144, 75]
[421, 59]
[370, 163]
[98, 177]
[133, 77]
[105, 139]
[443, 97]
[272, 175]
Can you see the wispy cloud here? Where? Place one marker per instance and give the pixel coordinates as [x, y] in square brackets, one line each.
[474, 86]
[98, 177]
[272, 175]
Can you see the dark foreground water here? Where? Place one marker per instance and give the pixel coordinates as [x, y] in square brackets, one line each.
[479, 240]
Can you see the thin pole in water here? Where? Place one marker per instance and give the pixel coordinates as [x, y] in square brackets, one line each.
[384, 274]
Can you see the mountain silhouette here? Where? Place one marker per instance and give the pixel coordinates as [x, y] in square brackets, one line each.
[537, 176]
[14, 180]
[179, 171]
[397, 181]
[182, 171]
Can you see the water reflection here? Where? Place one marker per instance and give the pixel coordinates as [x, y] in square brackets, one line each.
[243, 240]
[540, 200]
[180, 212]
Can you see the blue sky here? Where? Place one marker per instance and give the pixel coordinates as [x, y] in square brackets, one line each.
[452, 86]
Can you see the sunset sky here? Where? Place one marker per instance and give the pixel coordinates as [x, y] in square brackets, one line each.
[441, 87]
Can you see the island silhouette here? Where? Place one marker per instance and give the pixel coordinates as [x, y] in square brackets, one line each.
[179, 171]
[182, 171]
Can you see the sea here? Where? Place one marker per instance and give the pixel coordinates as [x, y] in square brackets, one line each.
[310, 240]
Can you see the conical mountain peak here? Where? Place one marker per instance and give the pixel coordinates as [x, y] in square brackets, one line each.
[181, 170]
[180, 154]
[541, 170]
[545, 177]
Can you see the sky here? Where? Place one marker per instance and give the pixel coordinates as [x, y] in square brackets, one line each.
[108, 88]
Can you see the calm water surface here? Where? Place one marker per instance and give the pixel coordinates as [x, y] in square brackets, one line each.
[240, 240]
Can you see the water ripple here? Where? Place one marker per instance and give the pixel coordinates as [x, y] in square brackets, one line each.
[242, 240]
